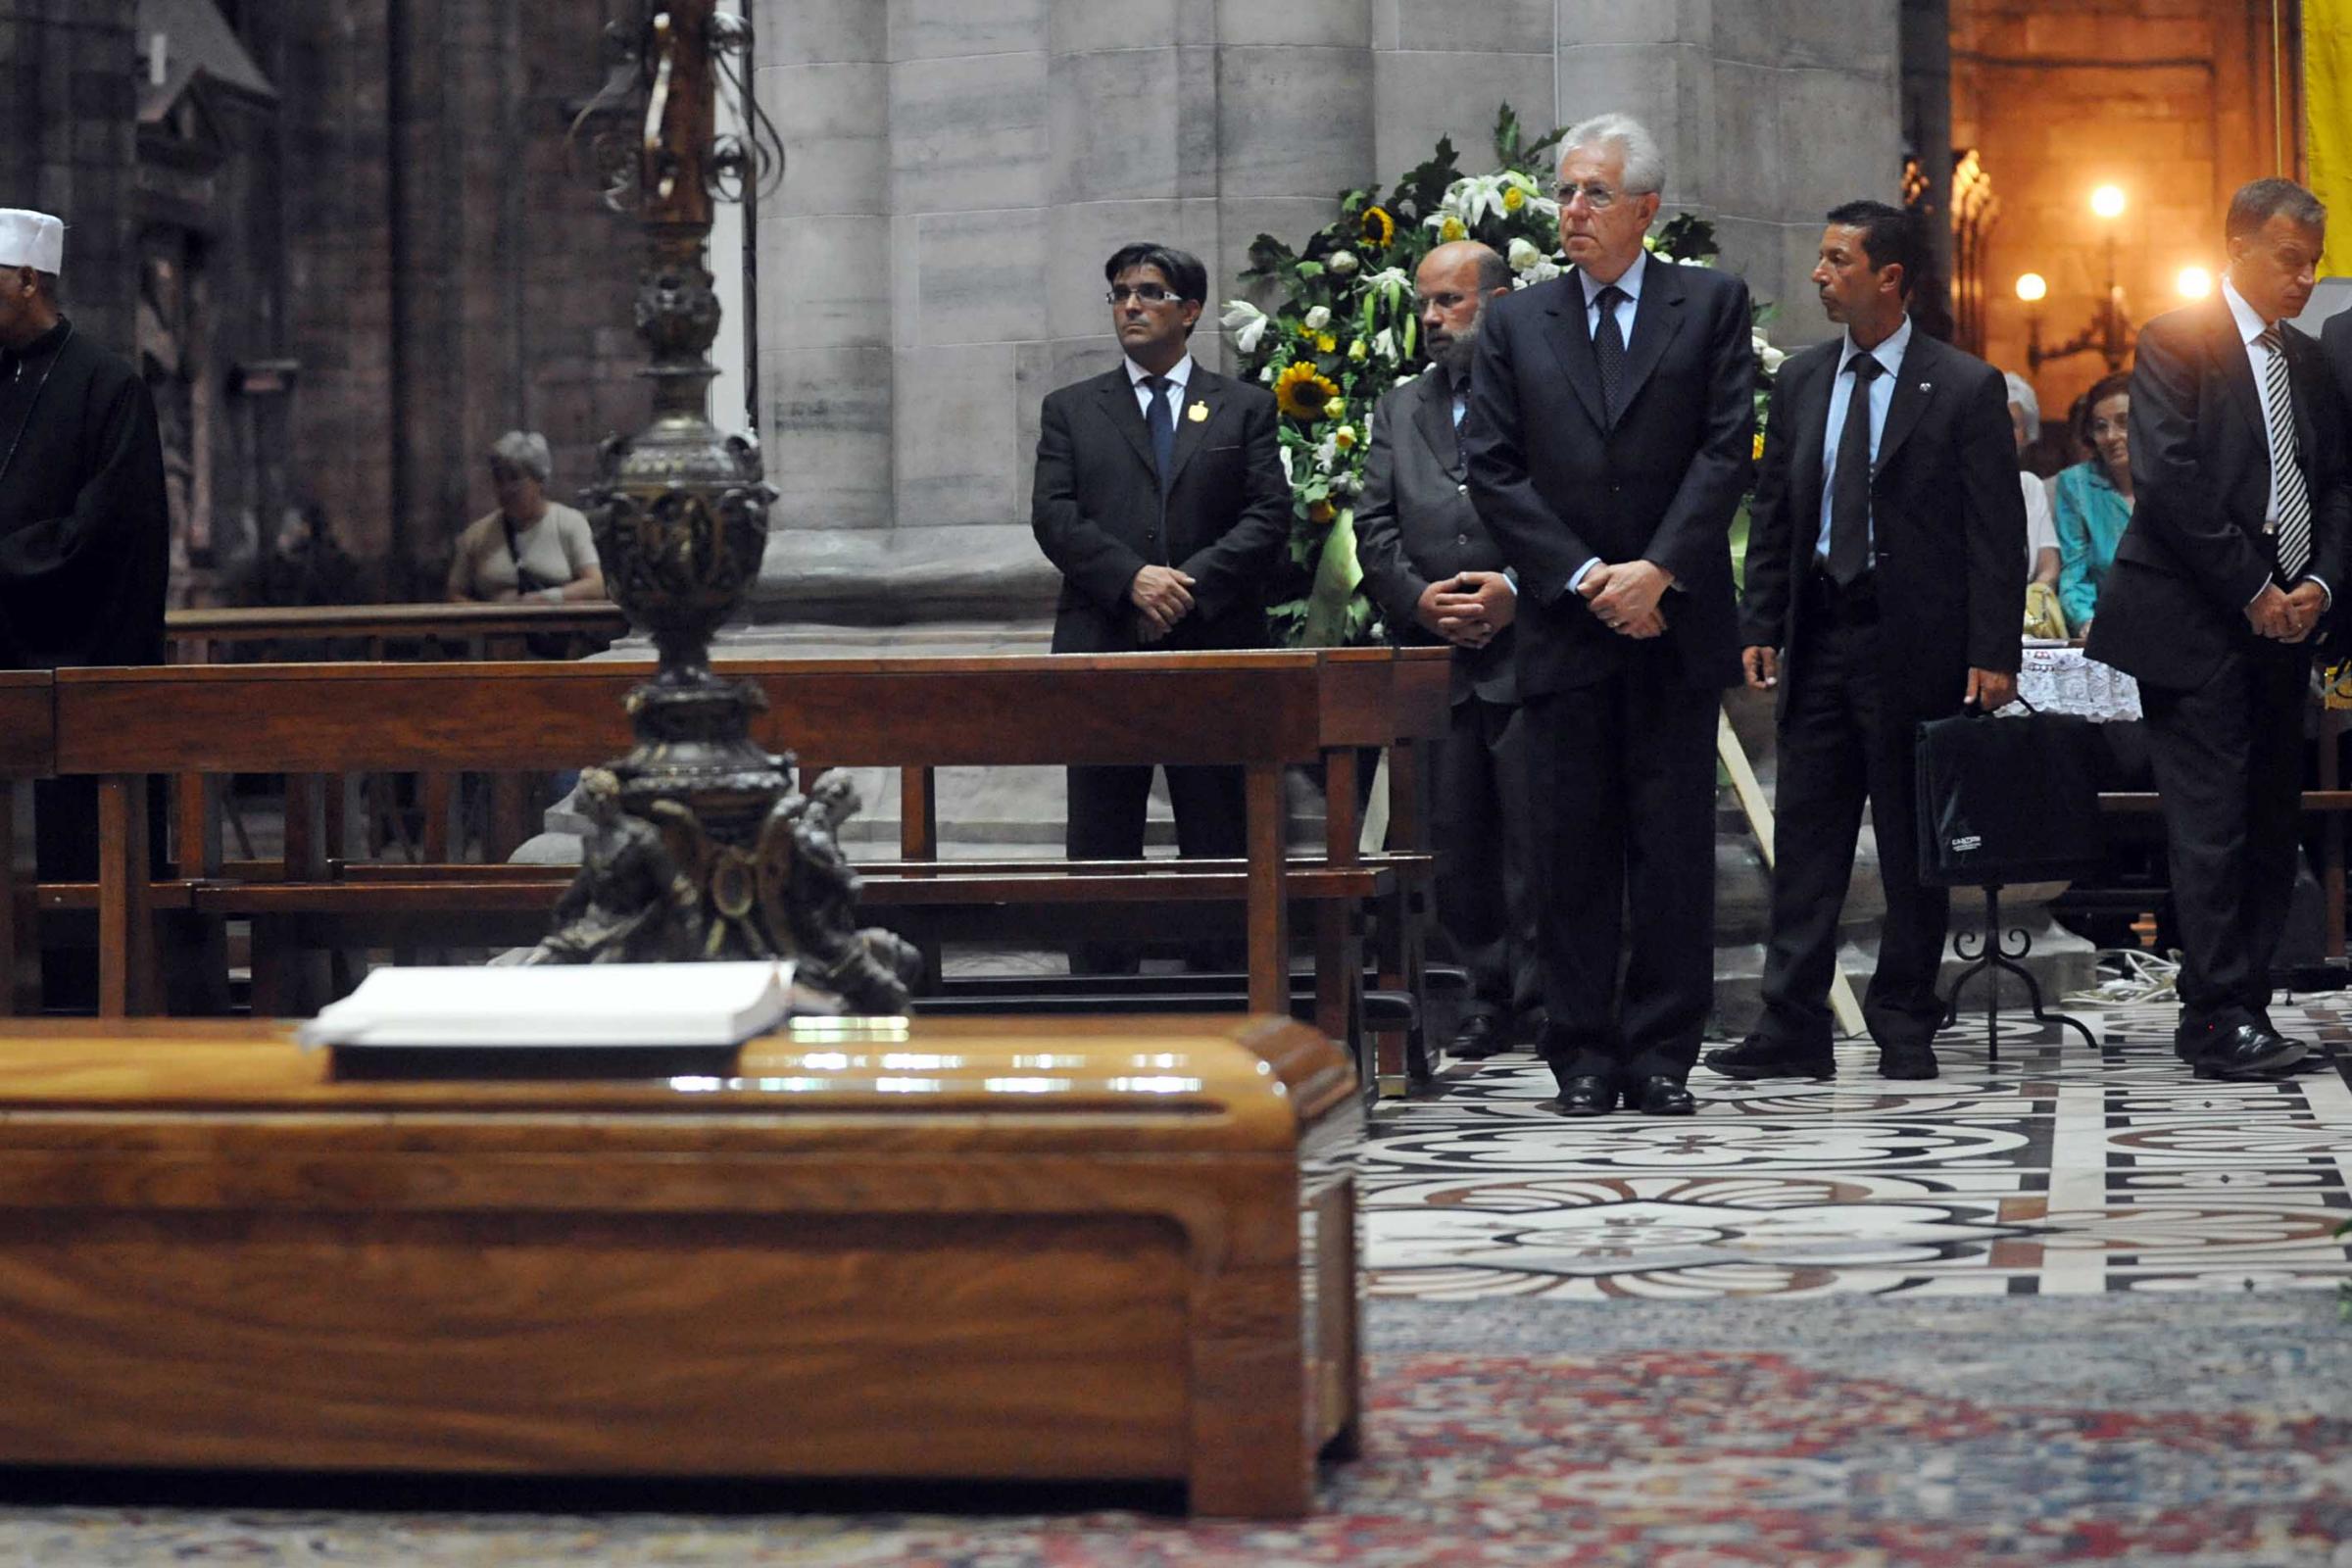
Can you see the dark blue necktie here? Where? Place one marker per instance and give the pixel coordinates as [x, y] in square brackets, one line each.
[1608, 349]
[1162, 421]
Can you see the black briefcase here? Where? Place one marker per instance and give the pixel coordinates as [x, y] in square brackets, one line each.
[2006, 800]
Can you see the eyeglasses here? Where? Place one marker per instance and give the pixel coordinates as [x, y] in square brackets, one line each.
[1596, 196]
[1145, 293]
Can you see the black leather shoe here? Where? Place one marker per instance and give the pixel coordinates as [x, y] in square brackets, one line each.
[1663, 1096]
[1758, 1057]
[1587, 1094]
[1907, 1061]
[1480, 1036]
[2248, 1050]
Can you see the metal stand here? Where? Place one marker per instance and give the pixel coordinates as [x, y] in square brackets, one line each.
[1995, 955]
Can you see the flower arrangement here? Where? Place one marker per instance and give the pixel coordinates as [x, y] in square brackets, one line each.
[1339, 328]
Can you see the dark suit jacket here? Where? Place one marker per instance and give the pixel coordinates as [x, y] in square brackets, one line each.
[1098, 516]
[1415, 525]
[1947, 524]
[1557, 487]
[2195, 554]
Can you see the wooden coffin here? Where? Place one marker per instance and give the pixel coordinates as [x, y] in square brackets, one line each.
[1068, 1249]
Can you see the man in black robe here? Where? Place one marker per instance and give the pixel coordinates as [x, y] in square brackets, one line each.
[85, 530]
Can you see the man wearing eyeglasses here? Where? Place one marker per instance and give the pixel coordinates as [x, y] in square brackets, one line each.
[1609, 442]
[1161, 497]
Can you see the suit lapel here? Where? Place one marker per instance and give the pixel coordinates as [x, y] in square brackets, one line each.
[1205, 397]
[1656, 319]
[1804, 463]
[1914, 388]
[1117, 396]
[1572, 343]
[1433, 416]
[2238, 370]
[2303, 370]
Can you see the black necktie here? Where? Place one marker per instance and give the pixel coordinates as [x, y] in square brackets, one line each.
[1162, 421]
[1609, 348]
[1850, 486]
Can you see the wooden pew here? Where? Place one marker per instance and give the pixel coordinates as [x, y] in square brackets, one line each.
[880, 1251]
[1260, 711]
[28, 750]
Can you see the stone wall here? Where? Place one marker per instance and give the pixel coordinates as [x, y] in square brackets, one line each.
[2171, 102]
[69, 125]
[960, 168]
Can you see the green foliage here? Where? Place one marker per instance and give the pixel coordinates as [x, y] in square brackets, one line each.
[1332, 325]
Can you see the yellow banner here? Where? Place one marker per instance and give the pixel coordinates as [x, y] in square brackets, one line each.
[2327, 100]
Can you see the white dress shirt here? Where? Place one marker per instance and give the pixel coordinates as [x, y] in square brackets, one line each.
[1181, 373]
[1630, 284]
[2250, 327]
[1889, 356]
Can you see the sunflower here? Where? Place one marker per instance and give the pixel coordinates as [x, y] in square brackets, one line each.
[1379, 228]
[1301, 391]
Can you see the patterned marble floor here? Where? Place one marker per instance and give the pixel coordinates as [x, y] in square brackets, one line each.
[2060, 1171]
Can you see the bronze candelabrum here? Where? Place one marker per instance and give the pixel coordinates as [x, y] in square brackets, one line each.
[702, 846]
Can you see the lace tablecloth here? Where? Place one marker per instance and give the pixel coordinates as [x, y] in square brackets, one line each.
[2066, 680]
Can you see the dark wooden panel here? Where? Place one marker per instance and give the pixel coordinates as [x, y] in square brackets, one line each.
[27, 723]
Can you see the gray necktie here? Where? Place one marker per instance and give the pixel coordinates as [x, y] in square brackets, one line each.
[1849, 483]
[2294, 500]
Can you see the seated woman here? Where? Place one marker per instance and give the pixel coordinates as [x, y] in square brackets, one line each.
[2094, 501]
[530, 547]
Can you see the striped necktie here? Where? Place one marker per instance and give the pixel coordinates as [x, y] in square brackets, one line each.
[2286, 468]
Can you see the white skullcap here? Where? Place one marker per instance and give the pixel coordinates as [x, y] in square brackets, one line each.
[31, 239]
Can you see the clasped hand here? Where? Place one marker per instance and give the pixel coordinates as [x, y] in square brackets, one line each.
[2286, 616]
[1625, 596]
[1468, 608]
[1162, 597]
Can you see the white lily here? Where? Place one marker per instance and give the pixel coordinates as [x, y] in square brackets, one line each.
[1246, 323]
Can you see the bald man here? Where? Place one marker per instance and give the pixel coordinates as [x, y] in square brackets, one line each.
[1438, 577]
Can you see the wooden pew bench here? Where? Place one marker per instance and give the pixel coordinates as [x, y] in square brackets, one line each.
[1262, 712]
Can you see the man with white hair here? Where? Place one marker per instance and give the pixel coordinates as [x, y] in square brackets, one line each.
[1608, 444]
[84, 529]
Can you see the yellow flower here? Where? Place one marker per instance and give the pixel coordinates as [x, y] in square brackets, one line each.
[1344, 437]
[1379, 228]
[1513, 198]
[1452, 229]
[1358, 351]
[1300, 392]
[1759, 452]
[1325, 342]
[1318, 512]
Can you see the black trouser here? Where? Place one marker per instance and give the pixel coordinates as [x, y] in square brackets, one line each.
[1107, 823]
[2229, 758]
[1621, 778]
[1841, 741]
[1482, 835]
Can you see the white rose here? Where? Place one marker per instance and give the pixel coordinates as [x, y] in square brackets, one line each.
[1772, 358]
[1318, 319]
[1340, 263]
[1523, 254]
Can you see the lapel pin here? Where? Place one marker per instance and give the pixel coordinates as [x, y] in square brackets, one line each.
[1925, 387]
[1198, 414]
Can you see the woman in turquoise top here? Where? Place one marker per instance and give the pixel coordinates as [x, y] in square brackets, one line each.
[2093, 502]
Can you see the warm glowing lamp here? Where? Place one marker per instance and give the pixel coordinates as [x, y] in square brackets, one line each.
[2108, 201]
[2193, 283]
[2032, 287]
